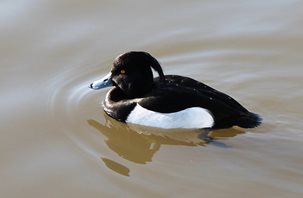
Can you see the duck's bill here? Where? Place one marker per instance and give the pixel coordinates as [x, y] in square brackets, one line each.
[106, 81]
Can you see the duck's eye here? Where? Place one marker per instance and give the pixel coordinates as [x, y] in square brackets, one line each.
[122, 71]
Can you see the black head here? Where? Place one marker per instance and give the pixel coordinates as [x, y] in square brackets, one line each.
[131, 73]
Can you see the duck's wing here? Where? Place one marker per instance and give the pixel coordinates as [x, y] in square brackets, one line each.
[175, 98]
[186, 82]
[180, 93]
[203, 89]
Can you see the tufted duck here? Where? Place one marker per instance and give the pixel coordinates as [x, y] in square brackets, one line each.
[168, 101]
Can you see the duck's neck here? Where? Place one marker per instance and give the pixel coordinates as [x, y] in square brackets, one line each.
[117, 105]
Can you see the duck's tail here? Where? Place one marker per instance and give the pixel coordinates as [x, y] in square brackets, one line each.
[249, 120]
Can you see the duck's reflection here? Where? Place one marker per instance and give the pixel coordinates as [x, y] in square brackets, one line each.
[139, 144]
[115, 166]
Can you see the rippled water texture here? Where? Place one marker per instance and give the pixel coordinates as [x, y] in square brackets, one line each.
[57, 142]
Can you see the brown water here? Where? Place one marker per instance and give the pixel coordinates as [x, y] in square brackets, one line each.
[55, 140]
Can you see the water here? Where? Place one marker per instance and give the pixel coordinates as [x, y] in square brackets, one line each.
[57, 142]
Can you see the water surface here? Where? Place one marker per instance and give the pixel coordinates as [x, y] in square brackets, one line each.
[57, 142]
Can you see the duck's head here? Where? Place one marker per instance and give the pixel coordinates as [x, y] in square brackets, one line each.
[131, 73]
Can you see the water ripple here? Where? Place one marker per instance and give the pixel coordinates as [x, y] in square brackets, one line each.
[70, 104]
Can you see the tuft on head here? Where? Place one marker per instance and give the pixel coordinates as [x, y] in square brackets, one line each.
[139, 58]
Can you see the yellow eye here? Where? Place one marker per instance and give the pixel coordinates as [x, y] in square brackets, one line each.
[122, 71]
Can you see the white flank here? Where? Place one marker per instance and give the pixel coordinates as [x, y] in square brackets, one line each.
[191, 118]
